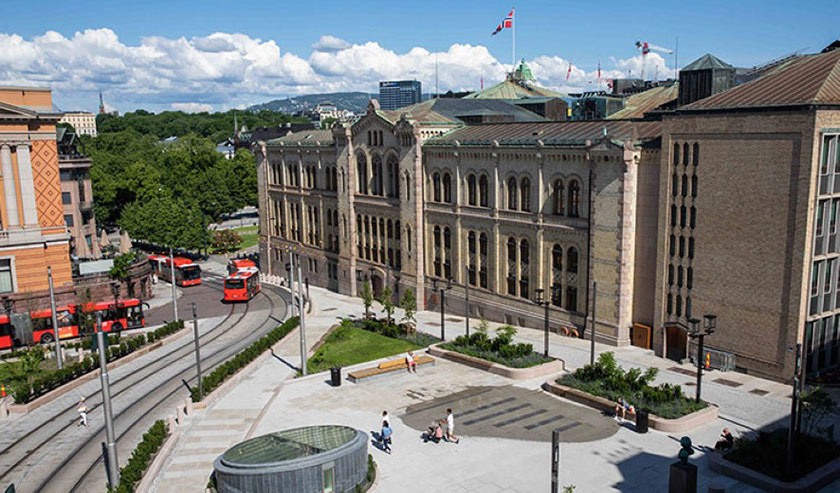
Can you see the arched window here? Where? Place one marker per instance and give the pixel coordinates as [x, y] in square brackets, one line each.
[511, 266]
[672, 242]
[557, 274]
[511, 193]
[525, 194]
[695, 158]
[670, 304]
[407, 186]
[482, 191]
[670, 274]
[694, 185]
[692, 223]
[676, 154]
[376, 161]
[679, 305]
[689, 278]
[686, 151]
[524, 259]
[471, 260]
[688, 304]
[360, 234]
[572, 260]
[558, 197]
[574, 199]
[680, 273]
[438, 252]
[408, 237]
[447, 253]
[393, 177]
[482, 252]
[471, 191]
[436, 186]
[684, 185]
[361, 173]
[447, 188]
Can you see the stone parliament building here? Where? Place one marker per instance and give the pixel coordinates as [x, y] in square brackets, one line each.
[723, 202]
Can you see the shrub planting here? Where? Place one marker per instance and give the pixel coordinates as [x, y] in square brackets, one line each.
[132, 472]
[236, 363]
[606, 379]
[766, 452]
[402, 332]
[499, 349]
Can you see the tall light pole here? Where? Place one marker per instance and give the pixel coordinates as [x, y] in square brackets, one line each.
[58, 358]
[197, 353]
[291, 268]
[592, 331]
[110, 445]
[467, 299]
[794, 408]
[174, 289]
[302, 311]
[709, 326]
[443, 289]
[545, 302]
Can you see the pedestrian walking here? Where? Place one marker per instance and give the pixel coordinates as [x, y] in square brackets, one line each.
[386, 435]
[83, 412]
[450, 427]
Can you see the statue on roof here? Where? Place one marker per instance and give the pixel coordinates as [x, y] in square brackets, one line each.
[522, 74]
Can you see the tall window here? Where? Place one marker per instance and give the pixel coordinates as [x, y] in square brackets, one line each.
[694, 186]
[557, 272]
[572, 260]
[482, 251]
[511, 266]
[571, 298]
[376, 161]
[361, 173]
[447, 188]
[447, 253]
[482, 191]
[393, 177]
[524, 258]
[6, 284]
[436, 186]
[471, 248]
[438, 251]
[696, 155]
[686, 151]
[471, 191]
[574, 199]
[676, 154]
[407, 186]
[511, 193]
[525, 194]
[558, 197]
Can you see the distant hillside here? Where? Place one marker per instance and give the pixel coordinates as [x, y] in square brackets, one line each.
[354, 101]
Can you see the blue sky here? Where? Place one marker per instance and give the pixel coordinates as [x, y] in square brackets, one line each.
[551, 34]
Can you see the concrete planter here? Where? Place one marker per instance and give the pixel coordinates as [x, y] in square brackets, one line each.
[678, 425]
[819, 478]
[157, 462]
[550, 368]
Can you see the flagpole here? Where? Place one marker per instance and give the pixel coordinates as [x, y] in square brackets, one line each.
[513, 69]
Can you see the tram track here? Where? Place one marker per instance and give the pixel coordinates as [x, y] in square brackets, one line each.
[37, 438]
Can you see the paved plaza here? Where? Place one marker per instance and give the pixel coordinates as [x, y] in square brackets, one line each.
[505, 426]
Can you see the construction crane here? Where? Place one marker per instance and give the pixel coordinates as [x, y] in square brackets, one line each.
[646, 48]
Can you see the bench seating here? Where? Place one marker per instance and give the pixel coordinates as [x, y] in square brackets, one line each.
[387, 367]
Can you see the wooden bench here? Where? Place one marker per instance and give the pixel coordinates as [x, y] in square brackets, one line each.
[387, 367]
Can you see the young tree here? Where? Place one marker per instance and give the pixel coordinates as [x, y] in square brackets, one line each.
[409, 305]
[387, 302]
[817, 404]
[367, 298]
[226, 239]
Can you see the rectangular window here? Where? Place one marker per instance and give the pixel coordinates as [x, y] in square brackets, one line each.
[6, 284]
[815, 279]
[329, 480]
[66, 199]
[821, 207]
[828, 142]
[832, 222]
[68, 219]
[829, 270]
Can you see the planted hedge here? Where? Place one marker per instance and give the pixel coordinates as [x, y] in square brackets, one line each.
[233, 365]
[24, 392]
[133, 470]
[499, 349]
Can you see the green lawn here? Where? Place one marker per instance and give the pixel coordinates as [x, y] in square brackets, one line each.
[349, 345]
[250, 236]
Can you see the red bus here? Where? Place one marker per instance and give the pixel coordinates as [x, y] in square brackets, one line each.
[241, 263]
[187, 273]
[116, 316]
[242, 285]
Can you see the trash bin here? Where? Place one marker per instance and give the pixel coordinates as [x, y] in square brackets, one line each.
[335, 376]
[641, 421]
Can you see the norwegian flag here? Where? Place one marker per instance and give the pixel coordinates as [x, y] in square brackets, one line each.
[505, 24]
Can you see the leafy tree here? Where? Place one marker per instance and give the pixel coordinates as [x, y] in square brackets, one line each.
[817, 404]
[367, 298]
[121, 265]
[226, 239]
[387, 302]
[409, 305]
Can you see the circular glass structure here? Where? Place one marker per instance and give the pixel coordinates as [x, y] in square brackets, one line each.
[321, 459]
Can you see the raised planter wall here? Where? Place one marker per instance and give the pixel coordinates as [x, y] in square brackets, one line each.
[678, 425]
[819, 478]
[550, 368]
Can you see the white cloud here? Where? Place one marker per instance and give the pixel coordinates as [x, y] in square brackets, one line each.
[226, 70]
[192, 107]
[330, 43]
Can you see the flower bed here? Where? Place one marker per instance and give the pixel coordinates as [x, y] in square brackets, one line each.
[28, 390]
[233, 365]
[133, 470]
[608, 380]
[499, 349]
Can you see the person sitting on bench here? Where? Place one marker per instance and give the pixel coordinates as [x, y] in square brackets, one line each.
[622, 407]
[409, 361]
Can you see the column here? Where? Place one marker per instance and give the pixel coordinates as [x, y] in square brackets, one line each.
[27, 186]
[9, 186]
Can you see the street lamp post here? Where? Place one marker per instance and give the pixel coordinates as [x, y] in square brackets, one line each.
[197, 353]
[709, 326]
[58, 358]
[794, 405]
[467, 299]
[592, 330]
[443, 289]
[302, 312]
[174, 288]
[110, 443]
[546, 302]
[115, 290]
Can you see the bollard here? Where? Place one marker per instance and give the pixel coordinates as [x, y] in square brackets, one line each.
[188, 404]
[179, 411]
[171, 420]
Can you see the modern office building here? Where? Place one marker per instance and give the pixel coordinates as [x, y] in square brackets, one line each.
[395, 94]
[725, 205]
[33, 235]
[83, 122]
